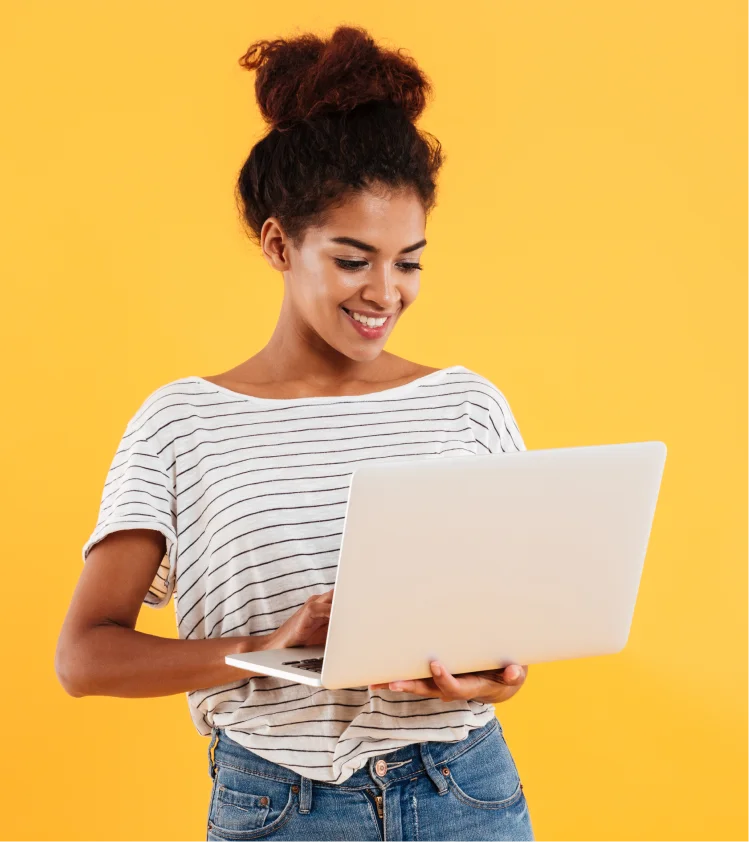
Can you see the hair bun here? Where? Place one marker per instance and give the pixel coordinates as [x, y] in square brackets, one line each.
[301, 77]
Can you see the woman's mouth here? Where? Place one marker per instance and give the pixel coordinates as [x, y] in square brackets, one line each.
[374, 332]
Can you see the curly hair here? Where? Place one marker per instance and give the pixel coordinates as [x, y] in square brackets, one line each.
[341, 115]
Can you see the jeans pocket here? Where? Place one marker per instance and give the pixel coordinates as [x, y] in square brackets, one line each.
[485, 775]
[247, 806]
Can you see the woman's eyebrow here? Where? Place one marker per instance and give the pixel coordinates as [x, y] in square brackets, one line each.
[350, 241]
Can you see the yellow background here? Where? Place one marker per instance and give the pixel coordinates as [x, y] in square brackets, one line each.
[588, 254]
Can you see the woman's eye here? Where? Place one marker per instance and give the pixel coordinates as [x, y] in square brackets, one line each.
[348, 264]
[354, 265]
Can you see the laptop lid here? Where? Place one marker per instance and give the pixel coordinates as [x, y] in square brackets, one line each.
[480, 562]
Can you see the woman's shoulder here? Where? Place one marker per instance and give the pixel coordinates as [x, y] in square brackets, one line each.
[163, 400]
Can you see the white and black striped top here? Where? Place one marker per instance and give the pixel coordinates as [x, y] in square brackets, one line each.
[250, 494]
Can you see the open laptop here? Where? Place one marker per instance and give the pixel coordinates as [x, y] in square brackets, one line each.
[481, 562]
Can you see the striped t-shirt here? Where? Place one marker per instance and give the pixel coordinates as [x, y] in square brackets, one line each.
[250, 494]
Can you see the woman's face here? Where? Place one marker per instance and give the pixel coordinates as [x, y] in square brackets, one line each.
[364, 260]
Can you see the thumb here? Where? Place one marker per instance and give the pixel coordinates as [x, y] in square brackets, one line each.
[514, 674]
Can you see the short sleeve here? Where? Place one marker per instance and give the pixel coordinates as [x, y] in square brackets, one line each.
[138, 494]
[503, 434]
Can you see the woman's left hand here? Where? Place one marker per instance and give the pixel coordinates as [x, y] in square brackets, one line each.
[489, 686]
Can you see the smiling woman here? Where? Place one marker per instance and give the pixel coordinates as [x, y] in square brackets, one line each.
[336, 195]
[229, 492]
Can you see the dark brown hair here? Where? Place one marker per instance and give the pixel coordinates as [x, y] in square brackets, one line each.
[342, 117]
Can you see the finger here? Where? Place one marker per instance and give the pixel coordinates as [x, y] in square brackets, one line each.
[408, 686]
[445, 681]
[417, 686]
[387, 685]
[512, 675]
[320, 612]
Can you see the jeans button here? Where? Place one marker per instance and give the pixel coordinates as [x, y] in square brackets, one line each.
[381, 768]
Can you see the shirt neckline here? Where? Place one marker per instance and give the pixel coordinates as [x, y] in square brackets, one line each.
[395, 390]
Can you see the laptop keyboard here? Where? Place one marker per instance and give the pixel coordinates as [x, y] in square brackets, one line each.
[310, 664]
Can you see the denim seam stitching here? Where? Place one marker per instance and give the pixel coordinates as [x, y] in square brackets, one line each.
[246, 771]
[484, 805]
[240, 835]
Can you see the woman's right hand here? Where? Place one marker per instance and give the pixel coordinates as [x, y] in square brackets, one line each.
[306, 627]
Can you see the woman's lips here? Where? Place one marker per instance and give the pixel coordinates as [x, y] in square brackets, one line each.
[364, 330]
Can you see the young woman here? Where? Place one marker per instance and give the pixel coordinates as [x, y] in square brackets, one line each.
[229, 491]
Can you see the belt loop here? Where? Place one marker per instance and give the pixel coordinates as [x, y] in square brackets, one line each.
[436, 775]
[211, 753]
[305, 796]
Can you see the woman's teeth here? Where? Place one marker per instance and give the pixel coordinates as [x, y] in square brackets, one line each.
[368, 321]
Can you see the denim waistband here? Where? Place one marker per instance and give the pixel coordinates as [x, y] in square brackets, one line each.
[403, 762]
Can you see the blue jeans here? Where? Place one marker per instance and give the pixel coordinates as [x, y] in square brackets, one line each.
[429, 791]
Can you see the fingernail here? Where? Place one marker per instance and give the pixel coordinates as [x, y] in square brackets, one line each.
[395, 686]
[436, 669]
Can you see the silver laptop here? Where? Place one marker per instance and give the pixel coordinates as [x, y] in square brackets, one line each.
[481, 562]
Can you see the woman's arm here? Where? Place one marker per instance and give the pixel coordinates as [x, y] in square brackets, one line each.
[99, 653]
